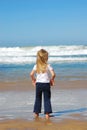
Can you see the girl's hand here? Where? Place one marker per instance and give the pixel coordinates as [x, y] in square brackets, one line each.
[34, 83]
[52, 82]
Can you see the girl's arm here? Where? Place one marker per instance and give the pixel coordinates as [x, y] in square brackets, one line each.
[53, 75]
[33, 77]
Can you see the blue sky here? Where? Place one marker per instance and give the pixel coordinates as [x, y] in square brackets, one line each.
[27, 22]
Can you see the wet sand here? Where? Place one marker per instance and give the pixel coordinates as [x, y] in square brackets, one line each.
[26, 85]
[75, 122]
[42, 124]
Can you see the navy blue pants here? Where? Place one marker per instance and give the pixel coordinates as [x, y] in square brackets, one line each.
[45, 89]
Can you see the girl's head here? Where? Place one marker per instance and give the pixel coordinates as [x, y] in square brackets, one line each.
[42, 58]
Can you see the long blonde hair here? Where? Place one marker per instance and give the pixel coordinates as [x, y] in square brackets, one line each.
[41, 62]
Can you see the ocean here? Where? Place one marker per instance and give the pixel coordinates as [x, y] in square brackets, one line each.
[68, 61]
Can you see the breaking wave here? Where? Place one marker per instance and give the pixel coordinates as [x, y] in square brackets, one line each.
[27, 55]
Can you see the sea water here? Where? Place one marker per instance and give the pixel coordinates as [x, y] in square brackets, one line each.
[68, 61]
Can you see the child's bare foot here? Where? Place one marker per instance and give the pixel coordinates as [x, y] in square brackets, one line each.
[36, 115]
[47, 116]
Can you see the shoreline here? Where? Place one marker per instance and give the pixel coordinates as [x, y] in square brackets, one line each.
[74, 121]
[43, 124]
[26, 85]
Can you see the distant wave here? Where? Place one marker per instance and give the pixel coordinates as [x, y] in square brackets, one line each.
[20, 55]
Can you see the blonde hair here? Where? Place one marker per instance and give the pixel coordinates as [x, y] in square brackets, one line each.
[42, 58]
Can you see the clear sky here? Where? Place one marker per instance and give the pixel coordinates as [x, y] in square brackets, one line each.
[26, 22]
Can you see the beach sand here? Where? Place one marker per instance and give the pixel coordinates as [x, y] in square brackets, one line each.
[42, 124]
[76, 122]
[26, 85]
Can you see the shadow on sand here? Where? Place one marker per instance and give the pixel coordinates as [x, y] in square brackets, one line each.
[60, 113]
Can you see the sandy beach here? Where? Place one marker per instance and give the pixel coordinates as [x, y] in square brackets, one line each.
[26, 85]
[37, 37]
[42, 124]
[72, 122]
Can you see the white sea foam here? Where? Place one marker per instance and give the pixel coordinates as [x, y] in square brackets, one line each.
[21, 55]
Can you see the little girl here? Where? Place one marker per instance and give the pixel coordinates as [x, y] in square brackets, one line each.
[43, 79]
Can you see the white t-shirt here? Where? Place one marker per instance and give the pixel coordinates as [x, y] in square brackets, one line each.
[43, 77]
